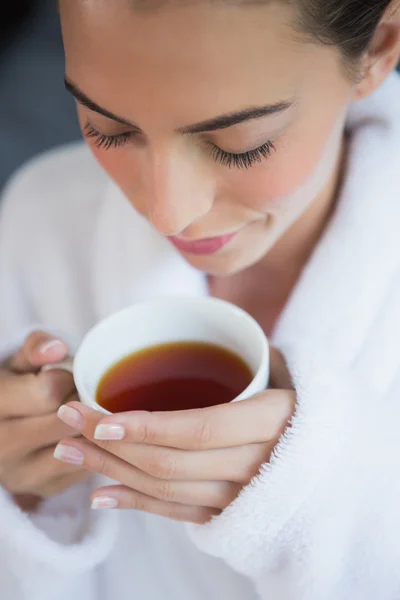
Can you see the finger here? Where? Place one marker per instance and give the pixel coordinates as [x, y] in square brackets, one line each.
[212, 494]
[36, 472]
[120, 496]
[256, 420]
[30, 394]
[21, 437]
[238, 464]
[279, 374]
[39, 349]
[29, 502]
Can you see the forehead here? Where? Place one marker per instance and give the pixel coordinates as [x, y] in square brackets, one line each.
[197, 54]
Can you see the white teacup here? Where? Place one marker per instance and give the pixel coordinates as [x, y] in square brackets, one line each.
[168, 320]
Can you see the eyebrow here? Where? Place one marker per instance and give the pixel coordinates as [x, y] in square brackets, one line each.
[214, 124]
[235, 118]
[86, 101]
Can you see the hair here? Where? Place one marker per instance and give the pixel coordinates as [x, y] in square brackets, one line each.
[348, 24]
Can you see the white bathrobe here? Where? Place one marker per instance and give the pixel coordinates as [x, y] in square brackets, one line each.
[322, 519]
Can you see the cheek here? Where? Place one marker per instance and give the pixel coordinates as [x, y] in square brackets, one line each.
[111, 162]
[302, 163]
[281, 176]
[122, 169]
[117, 162]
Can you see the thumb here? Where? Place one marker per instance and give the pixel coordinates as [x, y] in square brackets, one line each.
[39, 349]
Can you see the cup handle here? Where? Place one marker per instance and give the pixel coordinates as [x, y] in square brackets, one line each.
[63, 365]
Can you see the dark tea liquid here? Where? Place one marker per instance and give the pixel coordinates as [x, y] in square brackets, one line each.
[173, 376]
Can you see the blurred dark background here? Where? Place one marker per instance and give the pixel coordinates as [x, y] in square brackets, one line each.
[36, 113]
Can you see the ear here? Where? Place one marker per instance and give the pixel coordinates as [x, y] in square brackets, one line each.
[383, 54]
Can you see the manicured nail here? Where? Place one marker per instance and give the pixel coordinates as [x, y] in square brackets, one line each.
[109, 432]
[70, 416]
[104, 502]
[68, 454]
[50, 345]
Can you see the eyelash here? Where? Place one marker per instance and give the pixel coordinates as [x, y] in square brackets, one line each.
[244, 160]
[106, 141]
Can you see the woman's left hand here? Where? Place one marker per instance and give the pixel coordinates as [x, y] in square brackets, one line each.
[186, 465]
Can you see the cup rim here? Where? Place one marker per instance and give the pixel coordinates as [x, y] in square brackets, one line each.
[174, 302]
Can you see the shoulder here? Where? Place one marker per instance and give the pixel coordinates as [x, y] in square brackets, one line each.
[54, 188]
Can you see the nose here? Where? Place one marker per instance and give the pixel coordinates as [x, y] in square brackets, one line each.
[179, 188]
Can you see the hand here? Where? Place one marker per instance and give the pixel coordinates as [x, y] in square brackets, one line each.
[29, 428]
[186, 465]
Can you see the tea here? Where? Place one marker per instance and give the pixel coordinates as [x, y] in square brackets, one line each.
[174, 376]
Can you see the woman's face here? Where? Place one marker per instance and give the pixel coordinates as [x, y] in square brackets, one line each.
[219, 124]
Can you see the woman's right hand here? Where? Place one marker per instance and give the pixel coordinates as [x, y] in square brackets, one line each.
[29, 427]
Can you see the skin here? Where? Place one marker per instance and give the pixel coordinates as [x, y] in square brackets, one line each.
[165, 69]
[170, 178]
[29, 427]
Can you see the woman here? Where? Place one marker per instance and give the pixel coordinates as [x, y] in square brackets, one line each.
[252, 153]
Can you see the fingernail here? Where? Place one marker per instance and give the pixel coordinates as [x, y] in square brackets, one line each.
[109, 432]
[51, 344]
[70, 416]
[68, 454]
[104, 502]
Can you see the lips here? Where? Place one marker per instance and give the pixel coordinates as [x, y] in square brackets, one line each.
[205, 246]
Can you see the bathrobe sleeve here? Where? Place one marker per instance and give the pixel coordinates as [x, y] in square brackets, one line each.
[326, 509]
[55, 551]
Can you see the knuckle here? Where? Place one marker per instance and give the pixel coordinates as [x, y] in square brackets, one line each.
[206, 433]
[144, 433]
[102, 465]
[137, 502]
[163, 465]
[106, 445]
[164, 491]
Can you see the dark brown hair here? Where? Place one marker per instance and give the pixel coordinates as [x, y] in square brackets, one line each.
[348, 24]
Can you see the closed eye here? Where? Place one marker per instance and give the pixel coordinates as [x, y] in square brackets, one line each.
[100, 140]
[243, 160]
